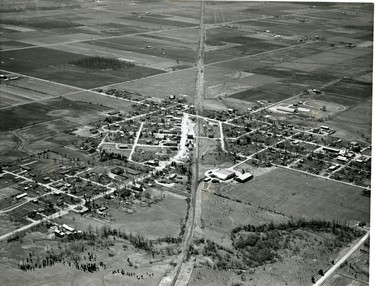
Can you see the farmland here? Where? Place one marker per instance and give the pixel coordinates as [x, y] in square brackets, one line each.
[185, 142]
[49, 110]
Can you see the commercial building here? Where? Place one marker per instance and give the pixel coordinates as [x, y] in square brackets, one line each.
[223, 174]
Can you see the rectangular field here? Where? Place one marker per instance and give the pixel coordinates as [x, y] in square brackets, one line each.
[298, 195]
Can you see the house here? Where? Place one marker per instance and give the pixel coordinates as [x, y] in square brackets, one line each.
[153, 162]
[59, 233]
[342, 159]
[26, 168]
[223, 174]
[137, 187]
[113, 112]
[172, 176]
[132, 172]
[362, 159]
[333, 167]
[122, 146]
[329, 149]
[244, 177]
[159, 136]
[117, 171]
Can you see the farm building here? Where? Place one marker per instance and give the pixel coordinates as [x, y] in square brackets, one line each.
[333, 167]
[362, 159]
[21, 196]
[137, 187]
[26, 168]
[153, 162]
[59, 233]
[244, 177]
[223, 174]
[342, 159]
[68, 228]
[329, 149]
[122, 146]
[286, 109]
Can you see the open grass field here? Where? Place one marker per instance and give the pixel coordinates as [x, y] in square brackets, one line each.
[179, 82]
[220, 216]
[11, 95]
[159, 220]
[7, 225]
[12, 45]
[273, 92]
[40, 87]
[63, 274]
[101, 100]
[9, 150]
[147, 59]
[139, 44]
[297, 195]
[7, 192]
[355, 122]
[46, 135]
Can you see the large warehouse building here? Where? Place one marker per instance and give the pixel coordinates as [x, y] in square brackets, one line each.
[224, 174]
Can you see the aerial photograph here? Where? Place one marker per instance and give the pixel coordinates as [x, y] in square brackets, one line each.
[185, 143]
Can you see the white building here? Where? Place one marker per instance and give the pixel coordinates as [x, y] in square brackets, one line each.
[223, 174]
[244, 177]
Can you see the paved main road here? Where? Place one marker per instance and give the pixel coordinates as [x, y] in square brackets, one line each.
[354, 248]
[175, 275]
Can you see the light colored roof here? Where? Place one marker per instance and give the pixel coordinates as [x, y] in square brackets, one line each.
[245, 176]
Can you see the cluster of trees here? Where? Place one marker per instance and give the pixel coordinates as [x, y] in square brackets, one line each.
[101, 63]
[105, 231]
[257, 245]
[314, 225]
[113, 118]
[170, 239]
[131, 274]
[70, 256]
[105, 155]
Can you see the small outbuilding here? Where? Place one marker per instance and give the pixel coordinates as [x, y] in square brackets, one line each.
[244, 177]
